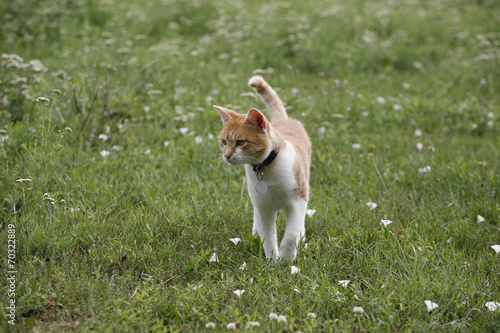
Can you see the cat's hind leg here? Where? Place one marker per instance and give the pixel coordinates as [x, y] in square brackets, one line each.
[295, 229]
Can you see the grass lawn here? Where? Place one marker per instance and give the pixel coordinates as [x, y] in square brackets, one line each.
[115, 197]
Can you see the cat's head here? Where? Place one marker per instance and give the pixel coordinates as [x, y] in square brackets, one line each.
[245, 138]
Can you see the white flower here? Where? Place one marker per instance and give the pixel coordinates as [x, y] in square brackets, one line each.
[492, 306]
[397, 107]
[418, 133]
[282, 319]
[239, 292]
[235, 240]
[311, 315]
[344, 283]
[356, 146]
[103, 137]
[22, 180]
[431, 305]
[406, 85]
[295, 270]
[251, 324]
[183, 130]
[480, 219]
[321, 130]
[37, 66]
[198, 139]
[210, 325]
[4, 138]
[147, 108]
[496, 248]
[214, 258]
[273, 315]
[43, 99]
[104, 153]
[243, 266]
[371, 205]
[490, 115]
[385, 222]
[310, 212]
[210, 136]
[380, 100]
[166, 143]
[231, 326]
[358, 309]
[420, 146]
[425, 169]
[147, 151]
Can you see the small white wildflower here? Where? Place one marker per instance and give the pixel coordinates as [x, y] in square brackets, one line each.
[103, 137]
[358, 309]
[492, 306]
[198, 139]
[166, 143]
[295, 270]
[235, 240]
[306, 245]
[420, 146]
[22, 180]
[251, 324]
[311, 315]
[231, 326]
[210, 325]
[355, 296]
[490, 123]
[490, 115]
[273, 315]
[406, 85]
[344, 283]
[385, 222]
[210, 136]
[380, 100]
[104, 153]
[321, 130]
[418, 133]
[356, 146]
[474, 126]
[496, 248]
[43, 99]
[480, 219]
[243, 266]
[397, 107]
[214, 258]
[37, 66]
[147, 108]
[483, 81]
[365, 114]
[310, 212]
[371, 205]
[430, 305]
[282, 319]
[147, 151]
[425, 169]
[183, 130]
[116, 147]
[4, 138]
[239, 292]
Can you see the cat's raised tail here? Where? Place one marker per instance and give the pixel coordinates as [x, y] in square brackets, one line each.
[268, 96]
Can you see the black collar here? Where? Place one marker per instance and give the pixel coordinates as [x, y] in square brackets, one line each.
[259, 167]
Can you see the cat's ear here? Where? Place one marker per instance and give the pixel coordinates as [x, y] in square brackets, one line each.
[224, 114]
[256, 118]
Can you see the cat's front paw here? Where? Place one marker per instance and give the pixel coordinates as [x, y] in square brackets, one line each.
[288, 256]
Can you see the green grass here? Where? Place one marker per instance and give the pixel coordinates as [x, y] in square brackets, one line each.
[123, 243]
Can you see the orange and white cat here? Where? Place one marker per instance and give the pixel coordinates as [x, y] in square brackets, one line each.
[277, 158]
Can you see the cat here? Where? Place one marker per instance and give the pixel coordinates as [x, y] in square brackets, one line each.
[277, 159]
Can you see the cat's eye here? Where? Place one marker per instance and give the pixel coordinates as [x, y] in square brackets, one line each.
[224, 142]
[240, 142]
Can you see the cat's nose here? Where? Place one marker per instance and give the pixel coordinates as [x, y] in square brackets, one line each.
[227, 156]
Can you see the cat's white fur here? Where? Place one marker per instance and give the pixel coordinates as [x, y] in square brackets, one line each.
[280, 196]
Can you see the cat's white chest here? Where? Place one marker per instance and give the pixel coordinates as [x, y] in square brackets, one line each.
[279, 180]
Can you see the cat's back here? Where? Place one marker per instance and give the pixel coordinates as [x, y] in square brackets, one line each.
[293, 131]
